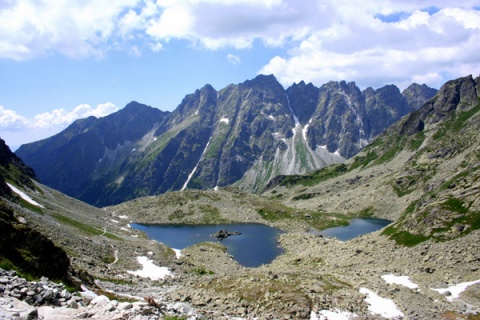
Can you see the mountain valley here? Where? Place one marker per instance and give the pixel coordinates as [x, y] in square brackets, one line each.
[244, 134]
[328, 155]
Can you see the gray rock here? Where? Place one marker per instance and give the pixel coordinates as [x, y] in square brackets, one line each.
[100, 300]
[124, 306]
[48, 294]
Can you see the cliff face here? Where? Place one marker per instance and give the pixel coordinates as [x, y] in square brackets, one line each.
[244, 134]
[25, 248]
[422, 172]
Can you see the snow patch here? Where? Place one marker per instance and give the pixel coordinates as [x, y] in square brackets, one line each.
[225, 120]
[150, 270]
[401, 280]
[134, 149]
[114, 221]
[382, 306]
[456, 290]
[123, 217]
[124, 229]
[178, 253]
[24, 196]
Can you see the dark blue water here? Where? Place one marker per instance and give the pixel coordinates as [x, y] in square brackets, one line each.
[256, 245]
[356, 228]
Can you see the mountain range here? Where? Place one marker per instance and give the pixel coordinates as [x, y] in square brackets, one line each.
[244, 134]
[422, 173]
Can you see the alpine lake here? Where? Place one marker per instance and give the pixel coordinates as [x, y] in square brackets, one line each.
[255, 244]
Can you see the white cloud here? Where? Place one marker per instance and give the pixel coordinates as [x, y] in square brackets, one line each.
[17, 129]
[370, 42]
[233, 59]
[430, 47]
[74, 28]
[10, 119]
[62, 118]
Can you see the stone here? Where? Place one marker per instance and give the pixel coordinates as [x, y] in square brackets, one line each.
[124, 306]
[48, 294]
[110, 307]
[100, 300]
[72, 304]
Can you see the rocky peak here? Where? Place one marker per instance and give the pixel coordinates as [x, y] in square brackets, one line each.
[262, 80]
[303, 100]
[416, 95]
[456, 94]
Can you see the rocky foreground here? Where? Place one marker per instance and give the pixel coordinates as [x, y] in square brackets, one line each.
[316, 278]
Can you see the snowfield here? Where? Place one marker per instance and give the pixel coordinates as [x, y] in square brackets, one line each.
[24, 196]
[150, 270]
[400, 280]
[456, 290]
[381, 306]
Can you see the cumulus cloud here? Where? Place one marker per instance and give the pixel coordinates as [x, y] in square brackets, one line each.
[421, 46]
[31, 28]
[62, 118]
[45, 124]
[10, 119]
[366, 41]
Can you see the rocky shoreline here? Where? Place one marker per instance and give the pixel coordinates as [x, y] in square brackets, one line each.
[315, 275]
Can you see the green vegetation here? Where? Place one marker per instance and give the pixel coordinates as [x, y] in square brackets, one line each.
[455, 205]
[276, 212]
[211, 214]
[416, 141]
[304, 196]
[404, 238]
[455, 123]
[201, 271]
[76, 224]
[179, 215]
[6, 264]
[367, 212]
[461, 224]
[363, 161]
[30, 206]
[402, 190]
[458, 176]
[315, 178]
[395, 147]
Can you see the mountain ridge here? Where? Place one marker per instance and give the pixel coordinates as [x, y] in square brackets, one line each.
[422, 173]
[243, 134]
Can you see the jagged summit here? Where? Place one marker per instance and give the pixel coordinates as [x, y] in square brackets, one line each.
[243, 134]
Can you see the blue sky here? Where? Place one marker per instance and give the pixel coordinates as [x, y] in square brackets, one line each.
[61, 60]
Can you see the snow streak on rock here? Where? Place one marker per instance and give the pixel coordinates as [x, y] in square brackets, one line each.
[358, 120]
[24, 196]
[195, 169]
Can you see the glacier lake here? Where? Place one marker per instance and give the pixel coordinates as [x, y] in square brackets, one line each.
[255, 245]
[356, 228]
